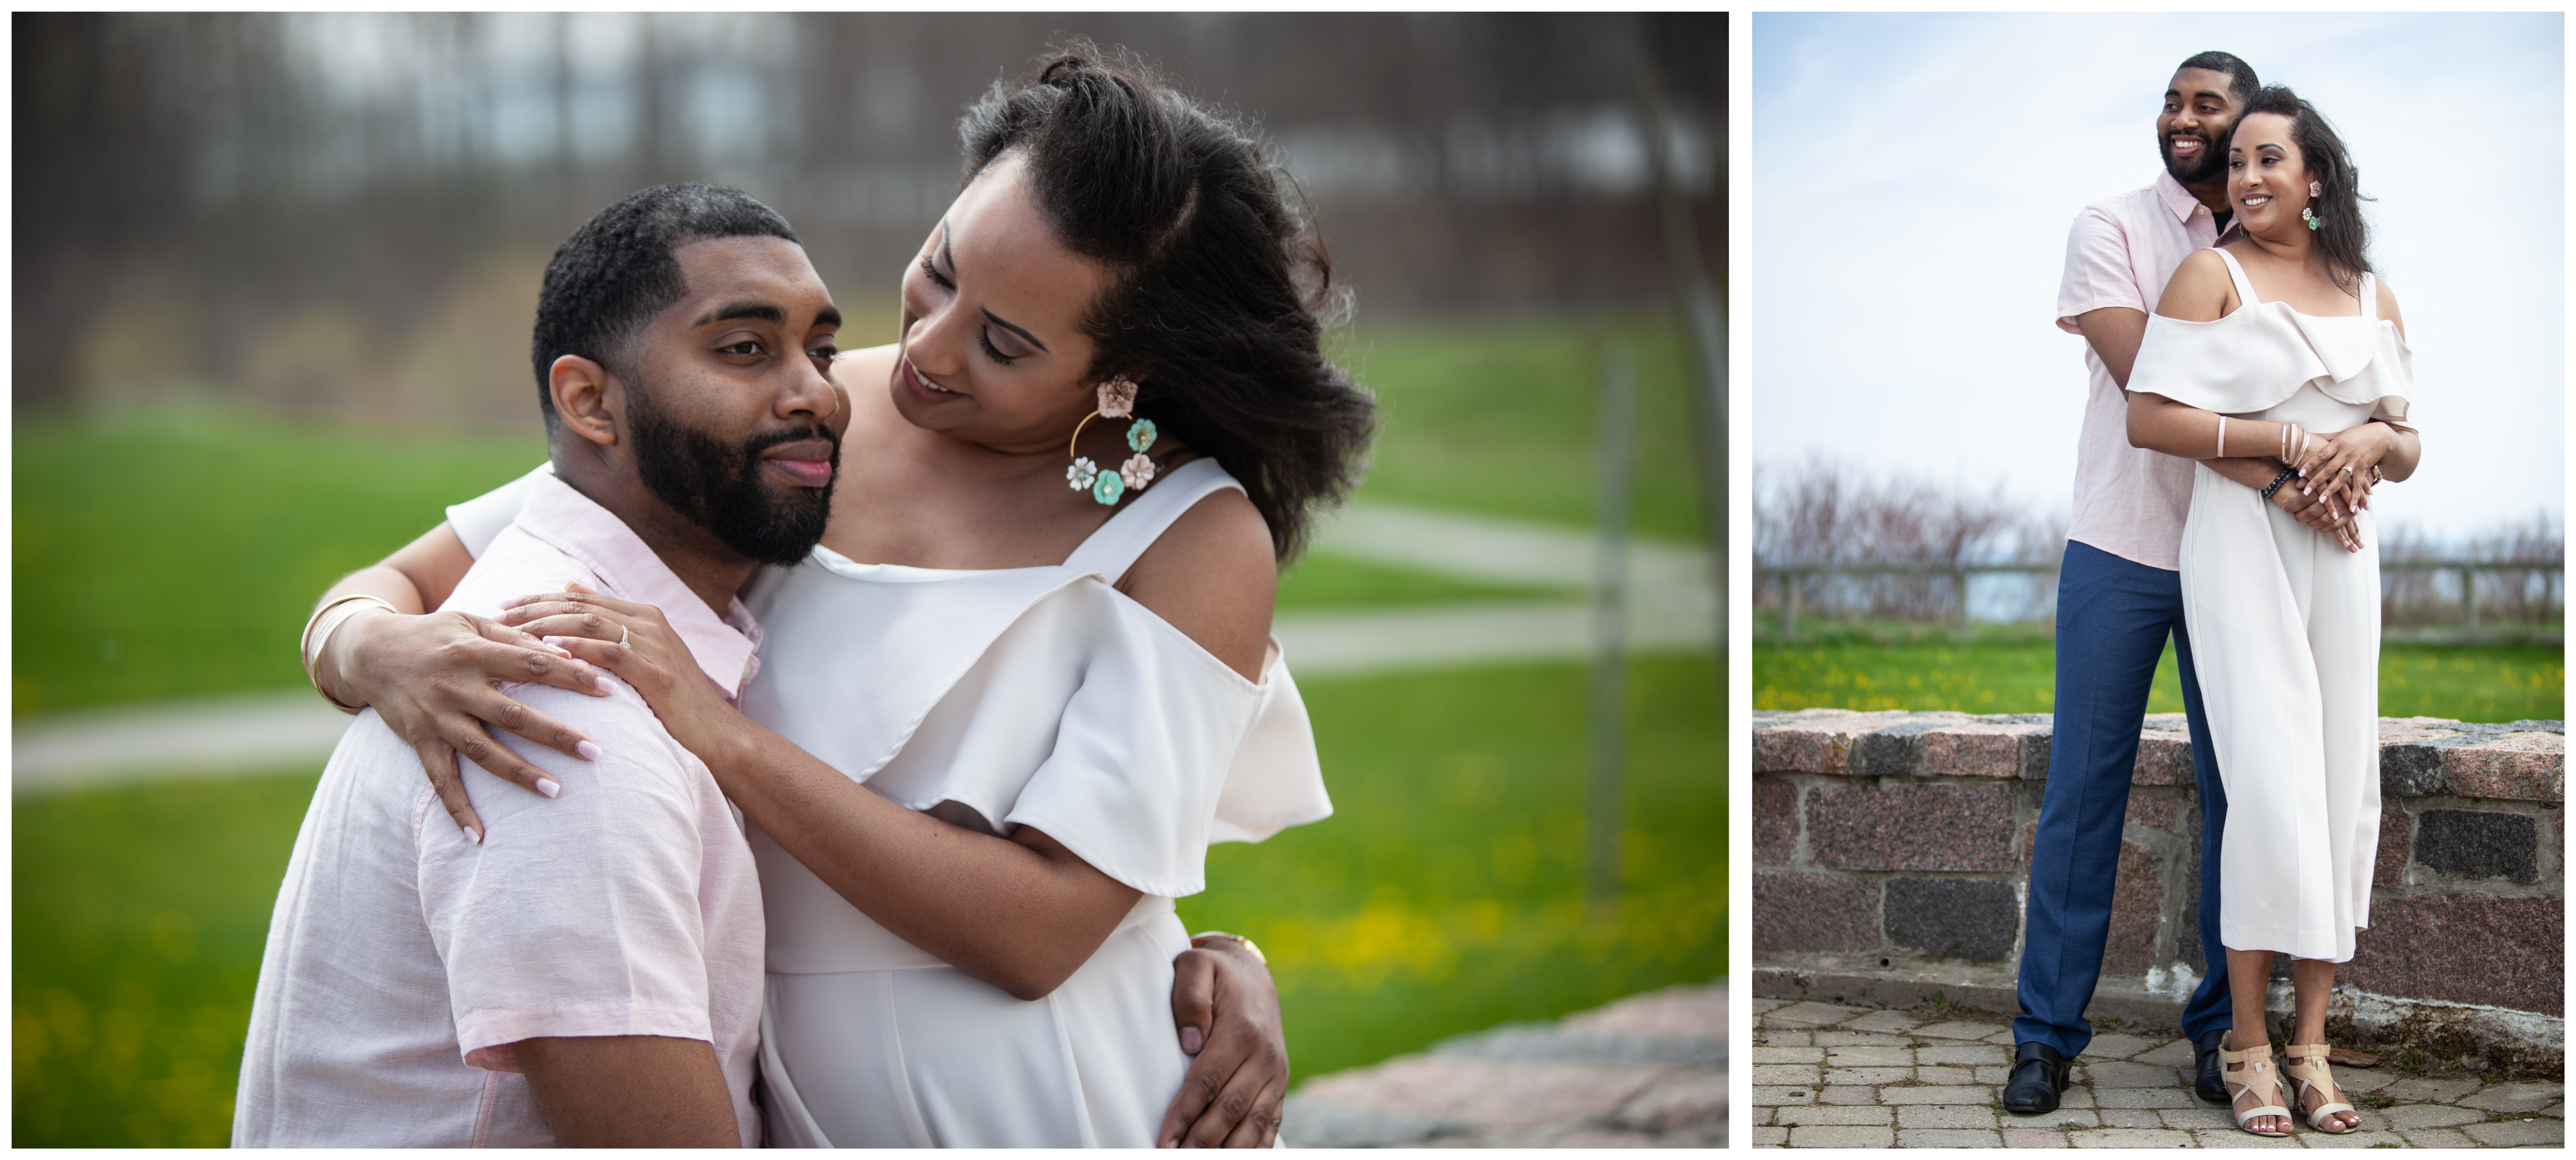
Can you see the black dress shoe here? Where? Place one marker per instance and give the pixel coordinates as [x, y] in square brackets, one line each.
[2038, 1076]
[2211, 1081]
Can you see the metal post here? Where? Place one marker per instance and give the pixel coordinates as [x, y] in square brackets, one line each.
[2468, 604]
[1959, 585]
[1605, 806]
[1789, 605]
[1700, 302]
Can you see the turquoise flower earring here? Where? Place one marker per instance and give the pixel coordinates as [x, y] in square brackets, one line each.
[1117, 401]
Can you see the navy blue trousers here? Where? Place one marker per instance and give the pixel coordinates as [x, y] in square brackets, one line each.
[2113, 616]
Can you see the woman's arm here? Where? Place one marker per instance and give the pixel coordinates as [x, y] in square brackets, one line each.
[410, 667]
[1021, 913]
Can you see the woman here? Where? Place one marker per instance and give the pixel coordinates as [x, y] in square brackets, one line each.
[2282, 343]
[1054, 697]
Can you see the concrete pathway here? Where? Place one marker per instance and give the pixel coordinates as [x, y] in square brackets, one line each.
[1646, 1071]
[1672, 607]
[1827, 1076]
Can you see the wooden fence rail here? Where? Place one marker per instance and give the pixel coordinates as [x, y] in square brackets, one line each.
[1788, 576]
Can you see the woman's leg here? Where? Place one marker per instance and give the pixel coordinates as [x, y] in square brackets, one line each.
[2249, 973]
[2312, 981]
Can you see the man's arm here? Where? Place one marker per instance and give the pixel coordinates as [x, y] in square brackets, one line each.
[631, 1091]
[2114, 333]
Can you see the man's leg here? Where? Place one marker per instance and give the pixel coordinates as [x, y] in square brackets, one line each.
[2210, 1008]
[2113, 616]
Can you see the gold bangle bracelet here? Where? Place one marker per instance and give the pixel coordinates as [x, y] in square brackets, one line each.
[311, 644]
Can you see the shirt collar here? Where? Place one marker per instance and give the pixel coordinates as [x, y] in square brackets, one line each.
[725, 647]
[2178, 201]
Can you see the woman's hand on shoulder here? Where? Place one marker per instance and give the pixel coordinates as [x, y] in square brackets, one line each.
[1214, 576]
[435, 680]
[652, 658]
[2200, 290]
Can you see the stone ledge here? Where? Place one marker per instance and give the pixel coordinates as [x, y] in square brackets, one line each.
[2419, 756]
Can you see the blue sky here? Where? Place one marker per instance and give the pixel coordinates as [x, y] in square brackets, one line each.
[1914, 176]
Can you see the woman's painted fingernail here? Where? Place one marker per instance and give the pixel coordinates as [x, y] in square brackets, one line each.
[549, 786]
[474, 835]
[588, 751]
[1191, 1040]
[552, 640]
[604, 687]
[513, 602]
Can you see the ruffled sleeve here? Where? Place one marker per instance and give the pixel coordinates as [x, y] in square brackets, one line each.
[2259, 356]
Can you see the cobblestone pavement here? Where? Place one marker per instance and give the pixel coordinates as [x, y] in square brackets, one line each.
[1826, 1076]
[1646, 1071]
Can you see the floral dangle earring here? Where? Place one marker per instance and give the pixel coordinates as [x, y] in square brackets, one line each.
[1117, 401]
[2308, 214]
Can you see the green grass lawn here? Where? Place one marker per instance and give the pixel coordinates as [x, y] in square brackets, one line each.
[1443, 896]
[2016, 672]
[174, 554]
[1500, 416]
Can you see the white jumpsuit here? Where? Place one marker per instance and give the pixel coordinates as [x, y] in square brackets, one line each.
[2284, 621]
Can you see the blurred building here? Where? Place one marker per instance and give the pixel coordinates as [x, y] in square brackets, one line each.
[349, 213]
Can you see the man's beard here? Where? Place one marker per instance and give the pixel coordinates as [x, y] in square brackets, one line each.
[2211, 163]
[724, 489]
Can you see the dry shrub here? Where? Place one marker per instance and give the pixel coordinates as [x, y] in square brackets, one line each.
[1823, 511]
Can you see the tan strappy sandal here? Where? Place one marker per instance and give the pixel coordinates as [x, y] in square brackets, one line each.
[2307, 1070]
[2255, 1064]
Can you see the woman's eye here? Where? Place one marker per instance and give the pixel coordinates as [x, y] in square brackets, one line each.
[986, 338]
[933, 272]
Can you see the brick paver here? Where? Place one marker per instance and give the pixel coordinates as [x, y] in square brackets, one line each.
[1843, 1077]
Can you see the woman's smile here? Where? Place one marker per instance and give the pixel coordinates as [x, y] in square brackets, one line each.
[922, 388]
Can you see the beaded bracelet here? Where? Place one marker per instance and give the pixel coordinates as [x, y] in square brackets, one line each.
[2277, 481]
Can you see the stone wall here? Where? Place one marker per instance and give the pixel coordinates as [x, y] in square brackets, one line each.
[1895, 846]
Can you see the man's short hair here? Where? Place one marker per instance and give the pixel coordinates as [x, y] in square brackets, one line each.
[2241, 83]
[616, 272]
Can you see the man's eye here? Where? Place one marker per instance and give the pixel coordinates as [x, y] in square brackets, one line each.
[745, 347]
[825, 352]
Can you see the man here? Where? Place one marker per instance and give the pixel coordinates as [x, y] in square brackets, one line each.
[2120, 596]
[588, 970]
[427, 984]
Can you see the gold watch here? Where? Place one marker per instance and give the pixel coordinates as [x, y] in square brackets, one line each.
[1197, 940]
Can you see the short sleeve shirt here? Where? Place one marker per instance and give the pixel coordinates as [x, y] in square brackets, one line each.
[405, 962]
[2129, 501]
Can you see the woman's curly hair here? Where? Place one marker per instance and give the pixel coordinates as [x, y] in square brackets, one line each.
[1220, 286]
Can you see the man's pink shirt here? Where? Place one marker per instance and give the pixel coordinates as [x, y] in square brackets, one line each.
[2129, 501]
[405, 962]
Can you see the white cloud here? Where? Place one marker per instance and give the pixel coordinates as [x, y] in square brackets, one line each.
[1914, 175]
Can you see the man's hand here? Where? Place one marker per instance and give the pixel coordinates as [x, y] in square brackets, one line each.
[2319, 508]
[1227, 1012]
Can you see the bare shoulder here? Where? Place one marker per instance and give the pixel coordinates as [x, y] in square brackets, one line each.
[2388, 303]
[2200, 290]
[1213, 576]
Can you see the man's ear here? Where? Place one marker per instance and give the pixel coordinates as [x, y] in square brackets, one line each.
[581, 394]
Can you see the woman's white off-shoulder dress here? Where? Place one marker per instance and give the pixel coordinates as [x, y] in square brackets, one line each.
[2284, 621]
[994, 699]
